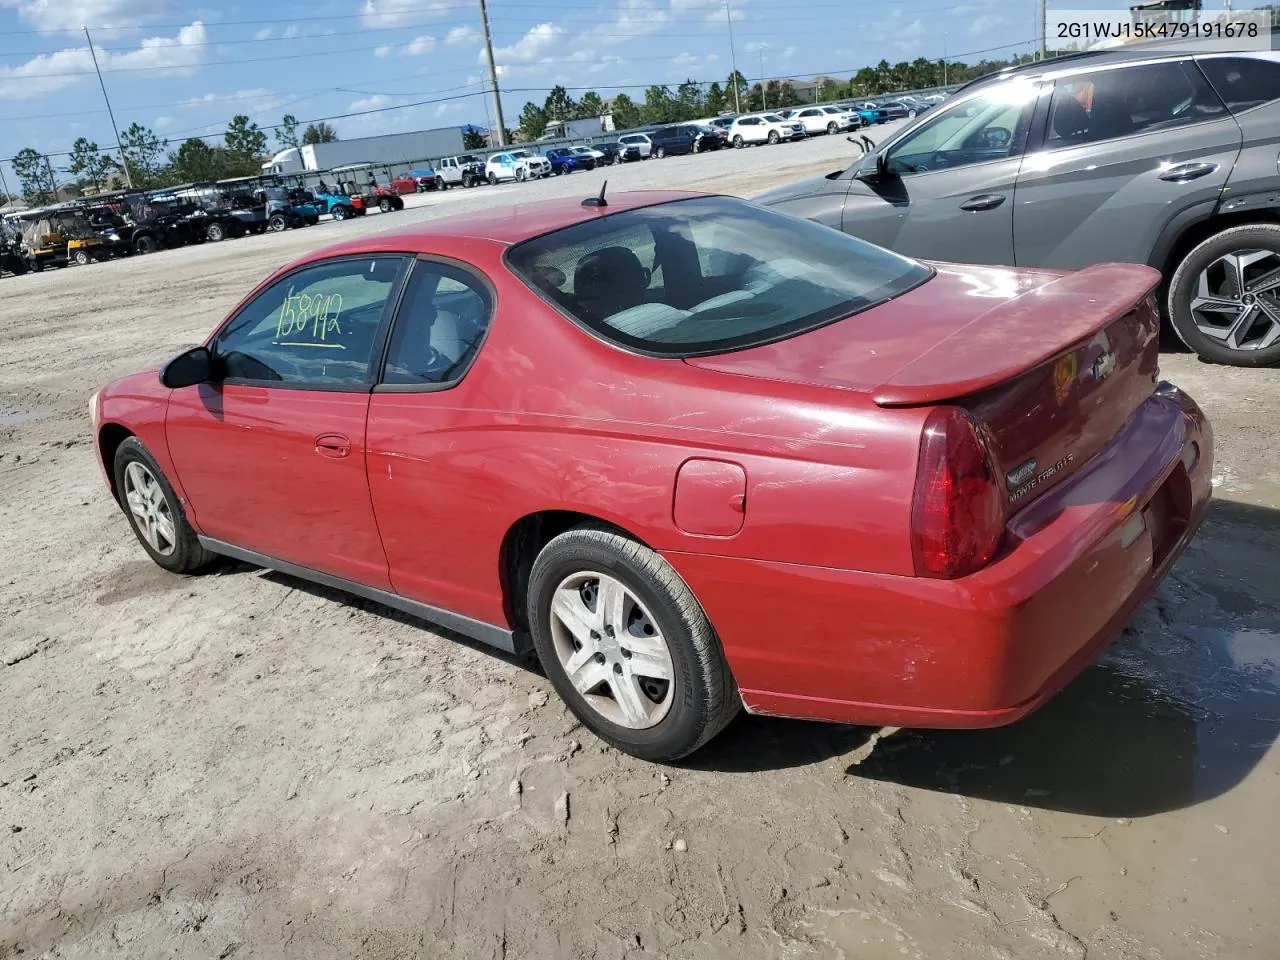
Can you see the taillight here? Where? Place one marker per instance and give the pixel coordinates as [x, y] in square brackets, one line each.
[957, 516]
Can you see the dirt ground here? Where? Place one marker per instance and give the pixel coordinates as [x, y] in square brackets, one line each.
[242, 765]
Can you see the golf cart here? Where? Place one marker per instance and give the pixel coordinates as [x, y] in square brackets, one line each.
[57, 237]
[11, 258]
[362, 180]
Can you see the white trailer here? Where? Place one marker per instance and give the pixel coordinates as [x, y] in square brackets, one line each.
[393, 149]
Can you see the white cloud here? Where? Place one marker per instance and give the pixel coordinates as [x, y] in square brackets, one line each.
[790, 52]
[73, 15]
[985, 23]
[634, 19]
[50, 72]
[262, 34]
[534, 45]
[414, 48]
[460, 35]
[254, 93]
[755, 46]
[164, 123]
[374, 101]
[399, 13]
[290, 31]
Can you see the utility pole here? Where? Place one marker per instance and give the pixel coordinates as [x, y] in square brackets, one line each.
[128, 178]
[764, 101]
[944, 58]
[1041, 30]
[493, 76]
[733, 58]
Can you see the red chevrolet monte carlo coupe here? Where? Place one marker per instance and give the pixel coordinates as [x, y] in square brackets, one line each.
[699, 454]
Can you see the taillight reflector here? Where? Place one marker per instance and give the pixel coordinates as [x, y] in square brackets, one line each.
[957, 515]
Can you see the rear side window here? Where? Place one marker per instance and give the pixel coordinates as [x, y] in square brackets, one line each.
[443, 316]
[1127, 101]
[707, 275]
[1243, 82]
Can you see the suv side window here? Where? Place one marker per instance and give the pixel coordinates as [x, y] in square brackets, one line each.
[443, 317]
[318, 326]
[1128, 100]
[991, 125]
[1243, 82]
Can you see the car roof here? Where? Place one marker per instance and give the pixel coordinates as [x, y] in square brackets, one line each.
[504, 225]
[1110, 56]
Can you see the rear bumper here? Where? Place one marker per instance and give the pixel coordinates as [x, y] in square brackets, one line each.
[983, 651]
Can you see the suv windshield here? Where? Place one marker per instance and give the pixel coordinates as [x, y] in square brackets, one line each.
[708, 275]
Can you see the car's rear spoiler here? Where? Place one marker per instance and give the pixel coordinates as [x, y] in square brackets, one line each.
[1020, 334]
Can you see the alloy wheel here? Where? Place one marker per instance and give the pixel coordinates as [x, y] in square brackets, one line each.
[612, 650]
[1237, 300]
[149, 508]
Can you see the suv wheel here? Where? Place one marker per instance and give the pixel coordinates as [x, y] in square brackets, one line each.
[738, 142]
[626, 645]
[1224, 298]
[773, 136]
[833, 128]
[660, 152]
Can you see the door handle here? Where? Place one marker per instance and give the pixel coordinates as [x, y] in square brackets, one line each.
[984, 201]
[333, 445]
[1188, 171]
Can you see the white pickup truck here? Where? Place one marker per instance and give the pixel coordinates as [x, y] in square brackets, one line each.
[466, 171]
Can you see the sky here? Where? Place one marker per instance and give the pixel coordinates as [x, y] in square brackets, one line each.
[185, 67]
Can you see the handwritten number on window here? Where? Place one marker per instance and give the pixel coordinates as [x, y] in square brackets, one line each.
[310, 320]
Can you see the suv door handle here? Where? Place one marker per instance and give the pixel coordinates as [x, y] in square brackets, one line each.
[984, 201]
[1188, 171]
[333, 445]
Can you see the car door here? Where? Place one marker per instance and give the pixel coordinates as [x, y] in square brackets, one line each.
[272, 454]
[944, 189]
[423, 461]
[1124, 151]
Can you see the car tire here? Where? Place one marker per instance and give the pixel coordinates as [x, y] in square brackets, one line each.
[654, 718]
[82, 258]
[773, 137]
[340, 212]
[277, 223]
[493, 180]
[441, 185]
[1209, 263]
[660, 152]
[155, 513]
[833, 128]
[911, 114]
[385, 205]
[145, 244]
[738, 142]
[215, 232]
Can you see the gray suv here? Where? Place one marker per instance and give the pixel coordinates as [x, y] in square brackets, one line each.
[1129, 155]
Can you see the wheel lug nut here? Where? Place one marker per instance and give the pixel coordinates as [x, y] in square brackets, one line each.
[626, 653]
[594, 635]
[599, 658]
[609, 631]
[617, 668]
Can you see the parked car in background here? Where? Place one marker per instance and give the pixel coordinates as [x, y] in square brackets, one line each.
[679, 138]
[816, 120]
[564, 160]
[896, 110]
[811, 425]
[763, 128]
[463, 171]
[1130, 154]
[867, 112]
[615, 152]
[406, 183]
[516, 165]
[592, 152]
[640, 141]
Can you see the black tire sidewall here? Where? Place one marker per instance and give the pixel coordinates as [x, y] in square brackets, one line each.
[1182, 285]
[682, 729]
[187, 554]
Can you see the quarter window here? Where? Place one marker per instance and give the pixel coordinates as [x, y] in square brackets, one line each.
[1243, 82]
[443, 316]
[319, 325]
[1127, 101]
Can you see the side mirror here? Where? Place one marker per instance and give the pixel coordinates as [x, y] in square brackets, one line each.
[188, 369]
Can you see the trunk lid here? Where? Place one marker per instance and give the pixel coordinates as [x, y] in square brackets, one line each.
[1050, 365]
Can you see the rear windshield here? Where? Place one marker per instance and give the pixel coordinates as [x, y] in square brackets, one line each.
[708, 275]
